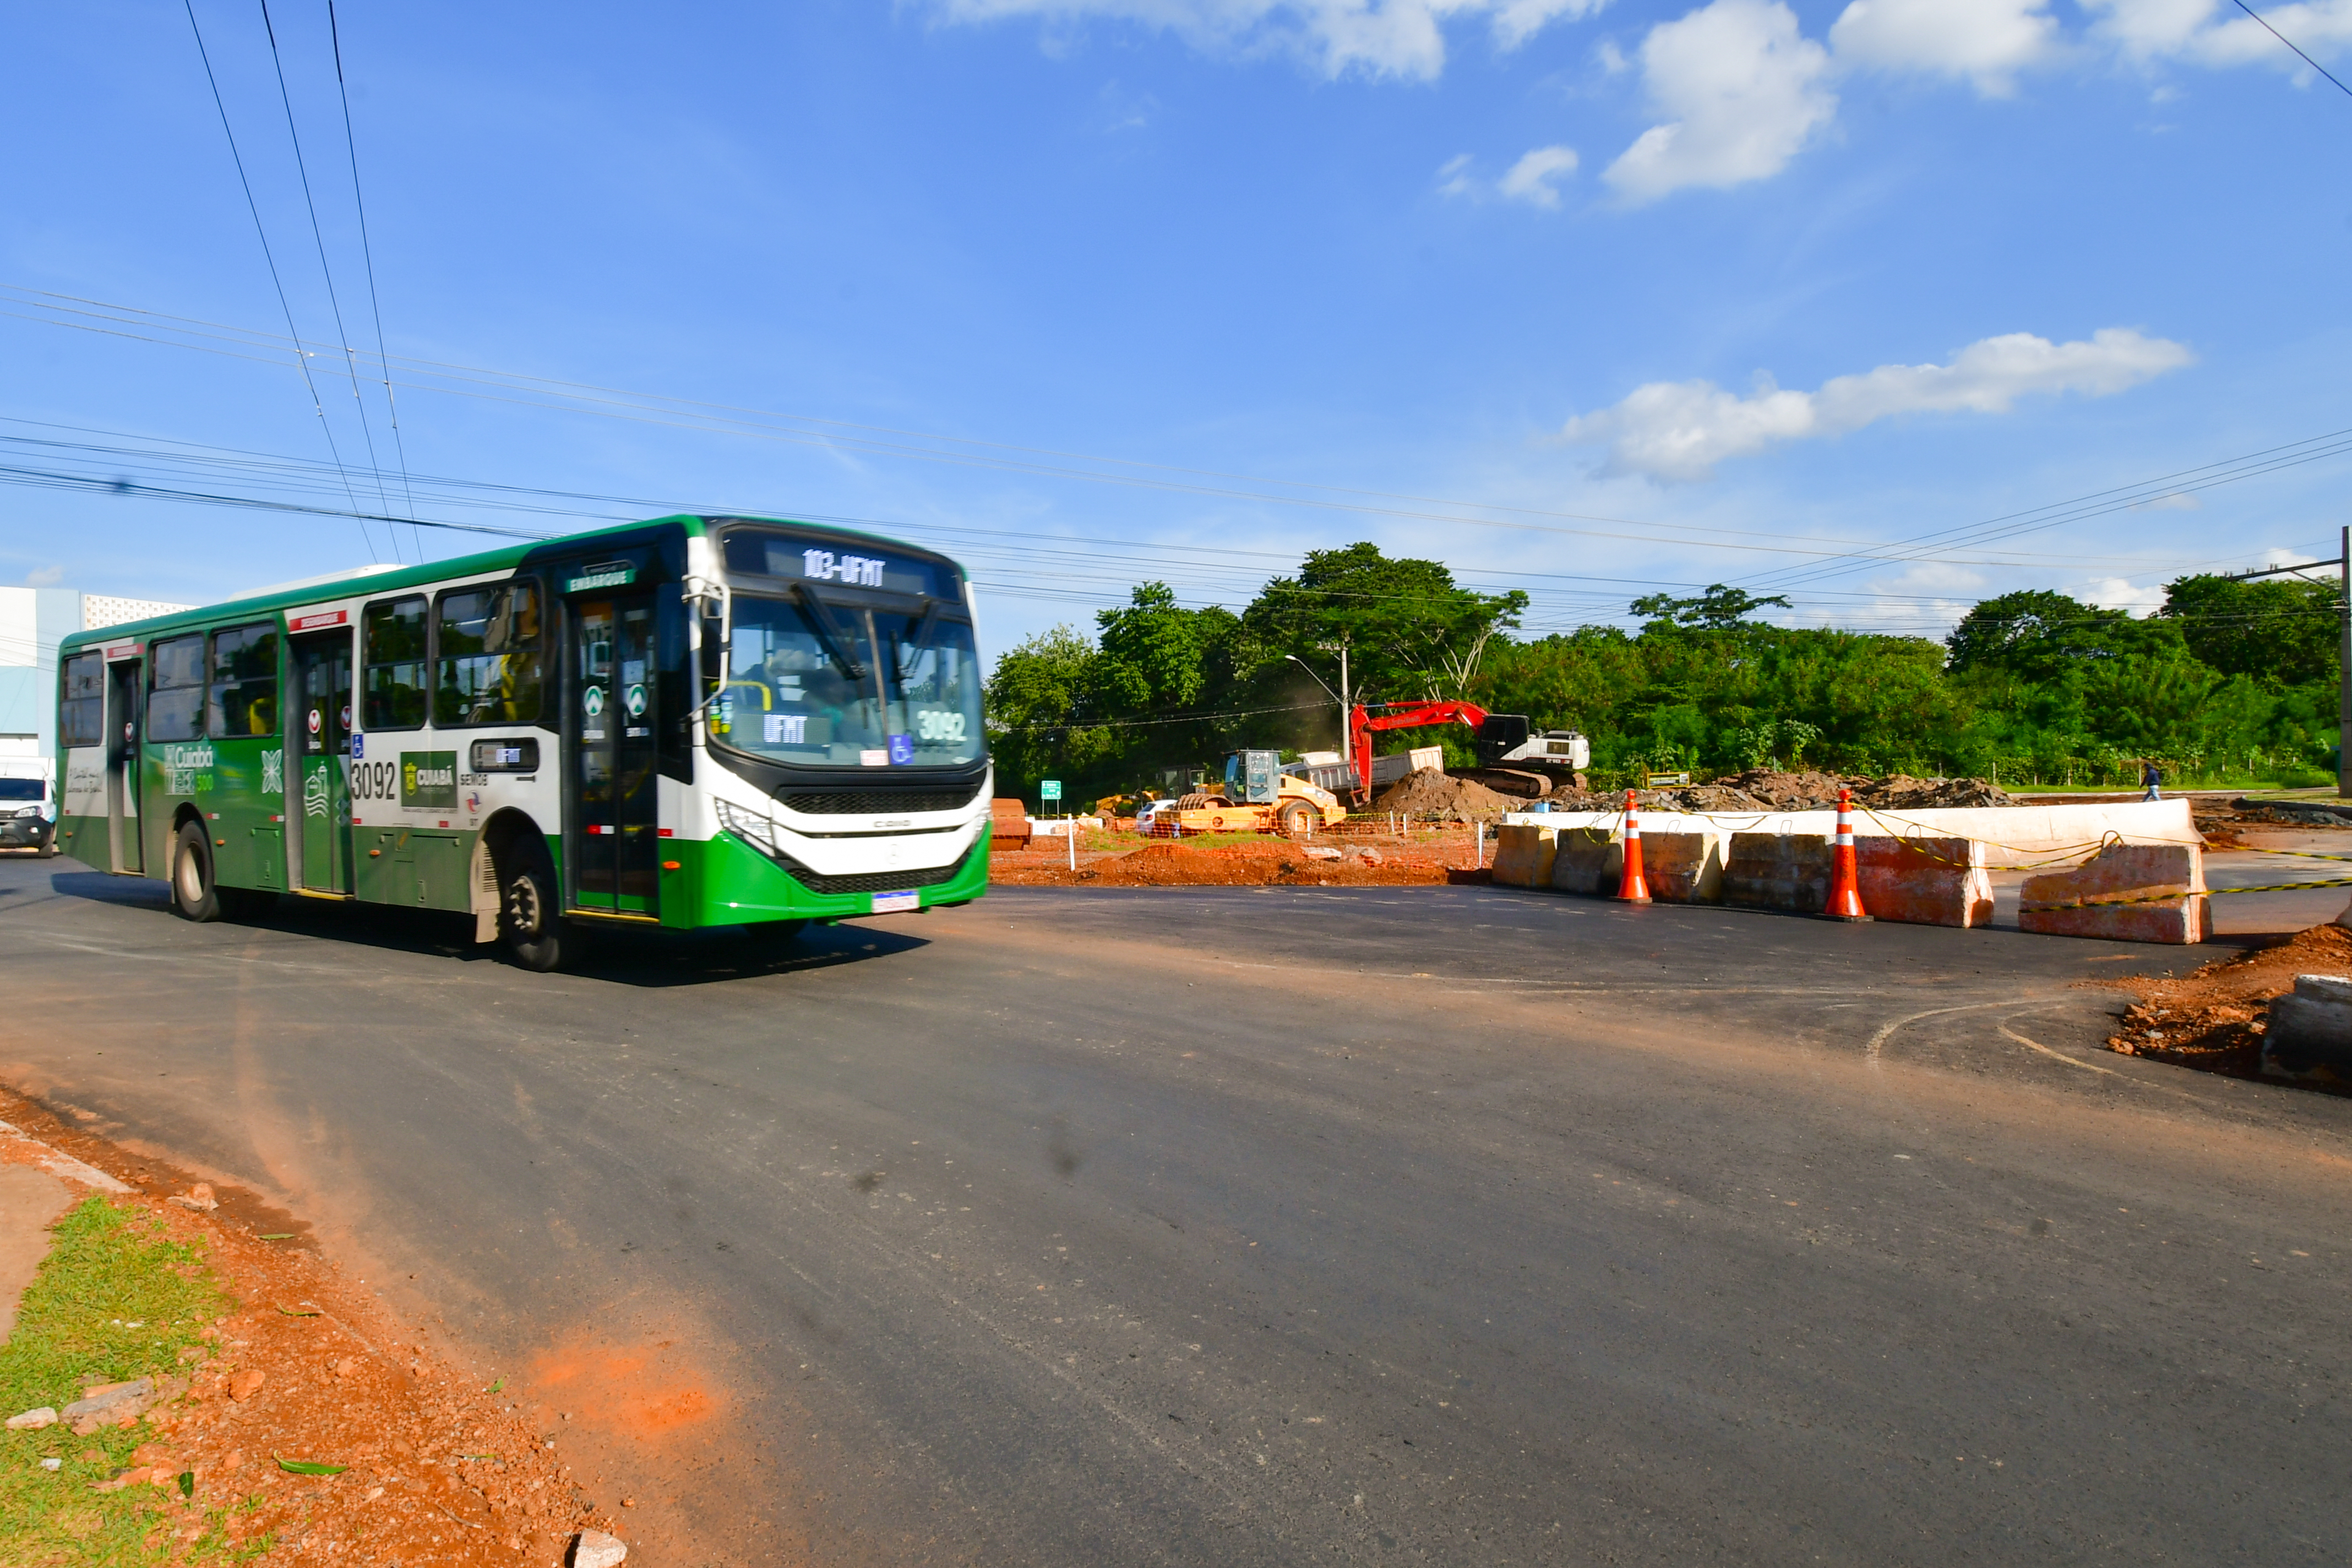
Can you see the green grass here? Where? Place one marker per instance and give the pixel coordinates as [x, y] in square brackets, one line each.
[115, 1299]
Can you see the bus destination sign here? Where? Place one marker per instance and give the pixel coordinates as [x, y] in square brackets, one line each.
[610, 574]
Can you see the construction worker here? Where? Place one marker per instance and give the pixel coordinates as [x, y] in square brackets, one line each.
[2150, 780]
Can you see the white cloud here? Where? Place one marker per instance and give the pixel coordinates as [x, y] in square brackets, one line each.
[1517, 21]
[1744, 90]
[2189, 29]
[1680, 431]
[1531, 179]
[1988, 41]
[2122, 594]
[1378, 37]
[45, 577]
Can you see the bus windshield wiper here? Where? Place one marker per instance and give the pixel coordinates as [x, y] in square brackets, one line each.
[829, 632]
[912, 650]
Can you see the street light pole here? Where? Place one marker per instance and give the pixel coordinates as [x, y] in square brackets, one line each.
[1346, 731]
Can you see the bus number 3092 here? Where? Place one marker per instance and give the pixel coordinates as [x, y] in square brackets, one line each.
[376, 781]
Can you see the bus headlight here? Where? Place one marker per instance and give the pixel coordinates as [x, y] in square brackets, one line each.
[745, 824]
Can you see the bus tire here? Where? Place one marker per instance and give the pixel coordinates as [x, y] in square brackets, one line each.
[194, 895]
[529, 928]
[1298, 819]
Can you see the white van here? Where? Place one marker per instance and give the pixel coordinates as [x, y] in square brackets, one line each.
[28, 810]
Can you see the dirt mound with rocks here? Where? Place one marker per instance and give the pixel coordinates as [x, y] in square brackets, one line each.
[2213, 1017]
[1766, 789]
[1758, 789]
[1428, 790]
[1899, 792]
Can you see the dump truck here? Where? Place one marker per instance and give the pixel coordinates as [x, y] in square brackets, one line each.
[1257, 796]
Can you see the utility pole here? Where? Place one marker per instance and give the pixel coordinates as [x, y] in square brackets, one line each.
[1346, 731]
[2343, 565]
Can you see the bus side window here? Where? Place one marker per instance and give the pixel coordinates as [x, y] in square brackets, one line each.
[176, 702]
[392, 680]
[80, 713]
[487, 655]
[244, 692]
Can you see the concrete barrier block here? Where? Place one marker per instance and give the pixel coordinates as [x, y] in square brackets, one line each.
[1924, 882]
[2311, 1025]
[1779, 871]
[2127, 892]
[1585, 862]
[1523, 855]
[1682, 867]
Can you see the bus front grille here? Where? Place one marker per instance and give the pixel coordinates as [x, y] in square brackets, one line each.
[870, 881]
[878, 802]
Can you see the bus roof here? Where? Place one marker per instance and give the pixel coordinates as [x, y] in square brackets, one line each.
[363, 581]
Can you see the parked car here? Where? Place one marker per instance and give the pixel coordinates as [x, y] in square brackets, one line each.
[1147, 814]
[28, 816]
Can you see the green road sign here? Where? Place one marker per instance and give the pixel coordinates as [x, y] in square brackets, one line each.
[1050, 789]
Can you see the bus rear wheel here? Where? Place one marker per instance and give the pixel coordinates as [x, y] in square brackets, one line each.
[529, 927]
[194, 895]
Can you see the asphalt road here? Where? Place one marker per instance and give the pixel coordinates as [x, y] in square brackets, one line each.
[1257, 1227]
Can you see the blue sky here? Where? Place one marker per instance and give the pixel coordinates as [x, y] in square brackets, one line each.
[1620, 295]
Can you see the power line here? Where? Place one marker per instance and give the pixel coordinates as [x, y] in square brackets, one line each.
[2283, 38]
[293, 336]
[343, 338]
[661, 409]
[367, 253]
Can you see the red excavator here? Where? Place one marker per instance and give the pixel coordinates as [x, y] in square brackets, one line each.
[1511, 760]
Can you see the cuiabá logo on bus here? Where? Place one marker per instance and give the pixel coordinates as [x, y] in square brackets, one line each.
[428, 780]
[189, 767]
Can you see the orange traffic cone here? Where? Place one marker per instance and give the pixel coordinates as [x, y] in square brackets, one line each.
[1845, 879]
[1631, 888]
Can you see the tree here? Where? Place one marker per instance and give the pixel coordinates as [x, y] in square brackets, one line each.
[1037, 706]
[2286, 630]
[1157, 655]
[1719, 609]
[1410, 631]
[2040, 634]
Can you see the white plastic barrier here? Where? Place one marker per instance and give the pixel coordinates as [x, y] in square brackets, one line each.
[2013, 836]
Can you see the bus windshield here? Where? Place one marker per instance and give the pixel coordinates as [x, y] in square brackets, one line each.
[815, 682]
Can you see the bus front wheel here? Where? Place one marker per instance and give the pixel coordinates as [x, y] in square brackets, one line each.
[194, 895]
[528, 922]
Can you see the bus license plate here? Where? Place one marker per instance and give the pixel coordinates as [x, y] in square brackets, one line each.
[893, 903]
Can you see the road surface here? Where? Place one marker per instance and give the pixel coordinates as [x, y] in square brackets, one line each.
[1238, 1226]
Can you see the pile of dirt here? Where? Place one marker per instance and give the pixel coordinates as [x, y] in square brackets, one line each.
[2212, 1018]
[1427, 791]
[1764, 789]
[1275, 863]
[1901, 792]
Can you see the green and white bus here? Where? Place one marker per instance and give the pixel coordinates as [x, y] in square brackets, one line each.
[686, 723]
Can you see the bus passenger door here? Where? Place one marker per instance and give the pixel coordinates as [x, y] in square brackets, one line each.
[124, 851]
[322, 678]
[616, 851]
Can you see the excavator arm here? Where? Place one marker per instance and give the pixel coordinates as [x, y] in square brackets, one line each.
[1362, 724]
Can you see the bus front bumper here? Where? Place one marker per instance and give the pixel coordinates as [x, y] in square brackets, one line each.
[723, 880]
